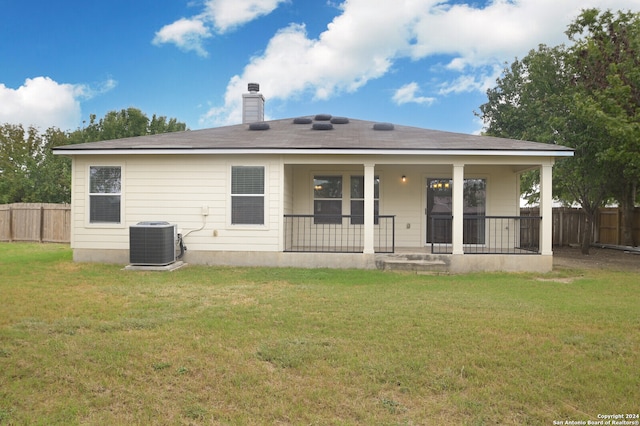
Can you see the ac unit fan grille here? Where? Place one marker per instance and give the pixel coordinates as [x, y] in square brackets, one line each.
[152, 243]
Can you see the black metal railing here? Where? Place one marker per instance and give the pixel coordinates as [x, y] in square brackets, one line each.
[487, 234]
[336, 233]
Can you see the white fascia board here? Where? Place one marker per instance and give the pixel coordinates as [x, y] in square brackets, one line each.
[182, 151]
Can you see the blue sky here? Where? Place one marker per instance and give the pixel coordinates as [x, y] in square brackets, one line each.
[424, 63]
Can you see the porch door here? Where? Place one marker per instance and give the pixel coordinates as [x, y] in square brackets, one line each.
[440, 209]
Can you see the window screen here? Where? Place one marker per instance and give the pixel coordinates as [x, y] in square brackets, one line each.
[247, 180]
[105, 183]
[247, 195]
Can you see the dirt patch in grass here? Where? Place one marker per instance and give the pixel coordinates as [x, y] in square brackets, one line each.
[598, 258]
[565, 280]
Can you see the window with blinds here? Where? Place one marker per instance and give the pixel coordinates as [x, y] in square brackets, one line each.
[105, 186]
[247, 195]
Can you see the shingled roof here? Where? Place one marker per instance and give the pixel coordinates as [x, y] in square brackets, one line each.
[311, 134]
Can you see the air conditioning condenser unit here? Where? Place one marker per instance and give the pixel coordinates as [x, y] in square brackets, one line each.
[152, 243]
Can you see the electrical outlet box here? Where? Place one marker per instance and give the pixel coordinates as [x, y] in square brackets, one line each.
[205, 210]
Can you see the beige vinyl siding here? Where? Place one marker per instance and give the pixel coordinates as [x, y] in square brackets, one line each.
[502, 190]
[176, 189]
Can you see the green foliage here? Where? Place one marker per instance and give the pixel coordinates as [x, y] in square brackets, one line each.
[535, 100]
[30, 173]
[125, 123]
[587, 97]
[28, 170]
[606, 57]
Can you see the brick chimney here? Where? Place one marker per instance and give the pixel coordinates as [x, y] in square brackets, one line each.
[252, 105]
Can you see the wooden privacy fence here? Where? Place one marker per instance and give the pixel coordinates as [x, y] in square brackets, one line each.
[610, 226]
[45, 223]
[568, 224]
[51, 223]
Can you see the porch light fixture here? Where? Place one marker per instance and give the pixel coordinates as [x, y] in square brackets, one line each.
[404, 178]
[439, 184]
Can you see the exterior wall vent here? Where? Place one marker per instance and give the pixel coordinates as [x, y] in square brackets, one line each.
[302, 120]
[323, 117]
[152, 243]
[322, 126]
[383, 126]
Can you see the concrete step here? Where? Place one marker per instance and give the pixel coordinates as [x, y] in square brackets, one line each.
[418, 263]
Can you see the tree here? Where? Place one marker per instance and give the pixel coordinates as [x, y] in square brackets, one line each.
[125, 123]
[534, 100]
[29, 172]
[16, 153]
[52, 175]
[606, 60]
[550, 96]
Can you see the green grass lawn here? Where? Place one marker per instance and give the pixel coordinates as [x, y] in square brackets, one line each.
[93, 344]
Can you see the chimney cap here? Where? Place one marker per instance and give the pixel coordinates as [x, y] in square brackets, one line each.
[254, 87]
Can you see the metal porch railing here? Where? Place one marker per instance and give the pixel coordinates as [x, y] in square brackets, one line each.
[336, 233]
[488, 234]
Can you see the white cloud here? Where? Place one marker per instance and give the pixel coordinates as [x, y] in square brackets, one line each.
[228, 14]
[89, 92]
[220, 16]
[187, 34]
[408, 94]
[43, 102]
[365, 41]
[357, 46]
[480, 81]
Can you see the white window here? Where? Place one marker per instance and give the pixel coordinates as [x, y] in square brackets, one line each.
[247, 195]
[105, 197]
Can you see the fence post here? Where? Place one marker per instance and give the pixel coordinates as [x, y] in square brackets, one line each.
[41, 230]
[561, 226]
[10, 223]
[618, 227]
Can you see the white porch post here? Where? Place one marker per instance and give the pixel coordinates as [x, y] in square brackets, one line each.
[369, 208]
[458, 209]
[546, 209]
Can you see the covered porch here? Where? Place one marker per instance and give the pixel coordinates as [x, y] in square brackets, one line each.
[465, 214]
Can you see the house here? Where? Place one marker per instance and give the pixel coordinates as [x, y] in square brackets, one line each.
[316, 191]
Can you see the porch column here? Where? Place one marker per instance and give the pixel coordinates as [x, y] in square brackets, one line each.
[458, 209]
[369, 170]
[546, 209]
